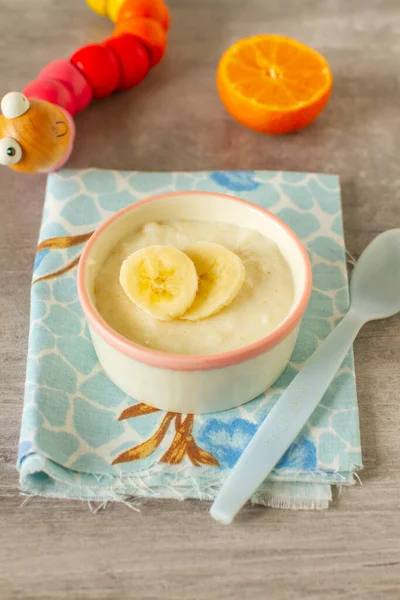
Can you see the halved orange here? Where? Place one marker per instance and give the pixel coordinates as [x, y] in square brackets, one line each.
[273, 84]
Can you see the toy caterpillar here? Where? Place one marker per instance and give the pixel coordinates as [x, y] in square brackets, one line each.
[36, 128]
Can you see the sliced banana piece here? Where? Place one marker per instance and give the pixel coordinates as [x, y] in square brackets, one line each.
[161, 280]
[221, 275]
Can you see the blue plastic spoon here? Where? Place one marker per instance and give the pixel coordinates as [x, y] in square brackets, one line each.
[375, 294]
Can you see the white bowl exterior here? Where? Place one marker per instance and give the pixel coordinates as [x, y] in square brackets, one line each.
[202, 390]
[194, 391]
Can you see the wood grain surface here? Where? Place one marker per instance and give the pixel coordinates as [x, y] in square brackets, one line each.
[51, 549]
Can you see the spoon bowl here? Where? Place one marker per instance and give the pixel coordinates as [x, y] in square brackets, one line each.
[375, 282]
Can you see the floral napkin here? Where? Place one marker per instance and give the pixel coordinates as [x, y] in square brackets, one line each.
[77, 427]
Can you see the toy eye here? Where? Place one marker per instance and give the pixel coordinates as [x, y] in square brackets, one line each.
[14, 105]
[10, 151]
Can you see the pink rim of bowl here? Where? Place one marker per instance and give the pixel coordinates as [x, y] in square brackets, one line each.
[182, 362]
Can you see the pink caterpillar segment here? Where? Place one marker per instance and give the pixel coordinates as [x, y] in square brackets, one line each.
[62, 84]
[66, 73]
[52, 91]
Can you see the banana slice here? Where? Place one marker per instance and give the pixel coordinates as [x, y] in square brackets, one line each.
[160, 280]
[221, 275]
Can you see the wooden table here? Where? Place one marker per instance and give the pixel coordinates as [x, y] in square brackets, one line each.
[53, 549]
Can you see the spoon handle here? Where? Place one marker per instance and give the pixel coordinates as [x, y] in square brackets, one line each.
[285, 421]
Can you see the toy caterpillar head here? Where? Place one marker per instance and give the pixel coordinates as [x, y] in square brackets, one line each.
[35, 136]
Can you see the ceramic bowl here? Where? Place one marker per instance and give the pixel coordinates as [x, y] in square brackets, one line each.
[186, 383]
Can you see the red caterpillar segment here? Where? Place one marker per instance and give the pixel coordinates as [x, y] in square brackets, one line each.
[149, 32]
[93, 71]
[134, 60]
[100, 67]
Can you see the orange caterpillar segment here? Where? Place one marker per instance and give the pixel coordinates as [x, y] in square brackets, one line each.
[148, 9]
[149, 32]
[153, 9]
